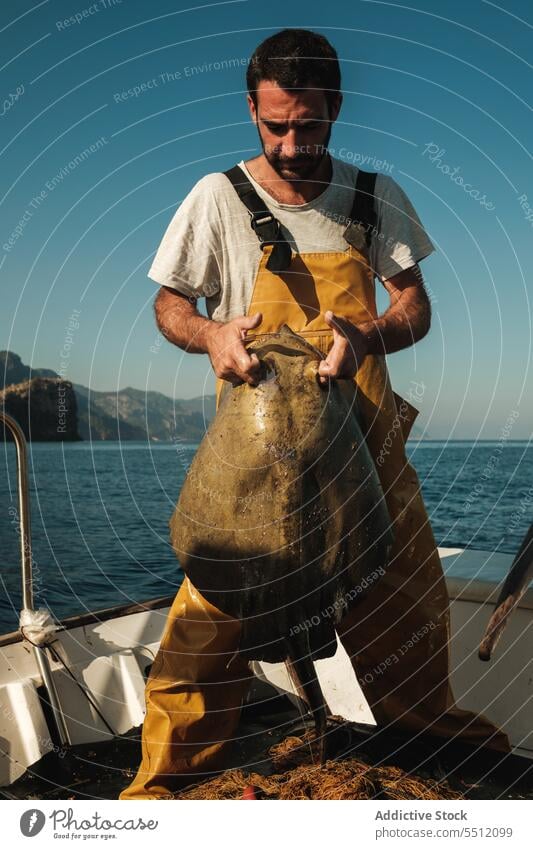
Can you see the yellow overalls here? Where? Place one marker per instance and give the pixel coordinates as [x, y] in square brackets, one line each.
[197, 682]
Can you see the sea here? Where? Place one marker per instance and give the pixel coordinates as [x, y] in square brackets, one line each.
[100, 512]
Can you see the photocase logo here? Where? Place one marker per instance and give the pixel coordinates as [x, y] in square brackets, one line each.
[32, 822]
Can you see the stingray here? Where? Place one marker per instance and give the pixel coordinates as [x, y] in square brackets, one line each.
[281, 521]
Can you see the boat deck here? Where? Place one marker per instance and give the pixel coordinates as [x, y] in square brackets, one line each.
[110, 653]
[101, 770]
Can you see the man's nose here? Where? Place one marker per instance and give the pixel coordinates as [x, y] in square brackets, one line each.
[293, 146]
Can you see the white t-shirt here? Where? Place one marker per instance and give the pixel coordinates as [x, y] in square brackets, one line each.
[209, 249]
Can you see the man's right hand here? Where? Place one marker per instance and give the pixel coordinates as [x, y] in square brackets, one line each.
[229, 358]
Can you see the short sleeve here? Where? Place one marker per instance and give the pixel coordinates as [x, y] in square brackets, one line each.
[189, 256]
[401, 240]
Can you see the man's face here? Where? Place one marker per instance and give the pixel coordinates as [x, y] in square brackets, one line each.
[294, 128]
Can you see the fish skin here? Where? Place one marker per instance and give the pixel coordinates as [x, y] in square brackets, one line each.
[282, 512]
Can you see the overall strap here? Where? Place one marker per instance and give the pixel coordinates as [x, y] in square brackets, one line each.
[266, 227]
[363, 216]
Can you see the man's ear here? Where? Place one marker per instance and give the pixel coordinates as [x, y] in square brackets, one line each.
[251, 107]
[335, 107]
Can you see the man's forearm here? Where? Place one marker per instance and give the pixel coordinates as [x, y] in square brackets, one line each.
[180, 322]
[401, 325]
[390, 332]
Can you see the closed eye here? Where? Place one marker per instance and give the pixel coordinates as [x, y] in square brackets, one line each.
[281, 129]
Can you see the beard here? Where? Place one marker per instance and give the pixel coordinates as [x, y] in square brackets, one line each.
[300, 167]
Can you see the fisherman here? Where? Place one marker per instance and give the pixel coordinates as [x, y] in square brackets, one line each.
[322, 230]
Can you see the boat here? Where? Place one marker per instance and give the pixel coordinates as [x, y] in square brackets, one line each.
[72, 691]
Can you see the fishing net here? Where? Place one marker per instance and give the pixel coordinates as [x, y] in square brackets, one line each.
[298, 776]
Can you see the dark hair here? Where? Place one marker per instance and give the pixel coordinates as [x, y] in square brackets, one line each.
[295, 59]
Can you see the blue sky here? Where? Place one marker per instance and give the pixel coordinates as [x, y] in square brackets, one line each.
[453, 78]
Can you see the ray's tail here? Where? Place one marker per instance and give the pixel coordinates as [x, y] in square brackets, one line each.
[302, 671]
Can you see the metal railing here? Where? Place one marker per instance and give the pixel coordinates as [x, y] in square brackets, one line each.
[26, 558]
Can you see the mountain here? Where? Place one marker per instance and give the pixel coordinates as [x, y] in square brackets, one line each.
[135, 414]
[44, 407]
[126, 414]
[13, 370]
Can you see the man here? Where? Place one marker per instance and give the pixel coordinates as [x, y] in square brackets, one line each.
[321, 230]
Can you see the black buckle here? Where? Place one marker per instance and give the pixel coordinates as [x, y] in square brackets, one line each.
[268, 231]
[266, 227]
[258, 219]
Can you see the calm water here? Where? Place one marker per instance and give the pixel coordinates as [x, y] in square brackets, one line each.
[100, 515]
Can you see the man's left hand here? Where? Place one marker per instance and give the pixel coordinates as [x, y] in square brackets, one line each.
[348, 351]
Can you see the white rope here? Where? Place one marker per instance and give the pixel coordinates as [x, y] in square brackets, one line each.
[37, 626]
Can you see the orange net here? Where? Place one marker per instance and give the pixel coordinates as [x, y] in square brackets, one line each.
[298, 776]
